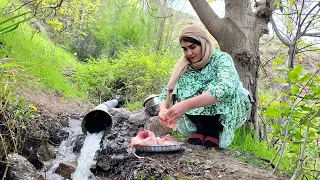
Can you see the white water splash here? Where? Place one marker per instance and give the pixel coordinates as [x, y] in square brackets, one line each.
[64, 152]
[86, 159]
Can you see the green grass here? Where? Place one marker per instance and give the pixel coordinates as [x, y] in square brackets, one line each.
[250, 149]
[42, 60]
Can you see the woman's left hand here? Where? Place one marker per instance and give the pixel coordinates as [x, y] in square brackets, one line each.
[177, 111]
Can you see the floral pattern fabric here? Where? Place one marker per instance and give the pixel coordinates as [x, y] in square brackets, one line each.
[221, 79]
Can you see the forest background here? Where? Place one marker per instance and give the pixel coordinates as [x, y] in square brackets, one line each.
[93, 50]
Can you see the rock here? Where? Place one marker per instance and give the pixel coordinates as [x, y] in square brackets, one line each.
[139, 118]
[78, 144]
[170, 177]
[56, 136]
[208, 176]
[21, 169]
[64, 121]
[66, 169]
[122, 111]
[153, 124]
[104, 162]
[119, 115]
[29, 150]
[116, 144]
[45, 153]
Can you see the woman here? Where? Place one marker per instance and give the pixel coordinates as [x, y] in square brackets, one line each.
[204, 97]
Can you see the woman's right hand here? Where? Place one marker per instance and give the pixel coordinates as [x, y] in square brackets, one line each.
[163, 117]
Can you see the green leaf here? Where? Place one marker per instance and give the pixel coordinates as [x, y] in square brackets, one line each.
[292, 98]
[312, 135]
[314, 87]
[294, 90]
[305, 108]
[280, 80]
[305, 78]
[2, 52]
[309, 96]
[287, 111]
[298, 135]
[283, 94]
[13, 26]
[276, 127]
[298, 114]
[273, 112]
[295, 74]
[14, 17]
[284, 104]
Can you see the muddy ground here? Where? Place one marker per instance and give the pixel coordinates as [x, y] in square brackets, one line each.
[192, 162]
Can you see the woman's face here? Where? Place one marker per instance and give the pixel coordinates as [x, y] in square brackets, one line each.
[191, 51]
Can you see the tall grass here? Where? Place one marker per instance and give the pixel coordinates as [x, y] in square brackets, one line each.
[43, 61]
[255, 150]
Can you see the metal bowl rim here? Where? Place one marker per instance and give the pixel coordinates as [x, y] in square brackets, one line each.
[149, 98]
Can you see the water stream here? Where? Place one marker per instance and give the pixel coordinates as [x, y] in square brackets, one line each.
[86, 159]
[64, 153]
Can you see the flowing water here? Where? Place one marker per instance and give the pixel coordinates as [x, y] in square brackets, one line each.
[86, 159]
[65, 154]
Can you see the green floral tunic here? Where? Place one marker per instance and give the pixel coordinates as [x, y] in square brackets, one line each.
[221, 79]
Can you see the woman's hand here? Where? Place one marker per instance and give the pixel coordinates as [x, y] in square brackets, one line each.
[163, 117]
[178, 110]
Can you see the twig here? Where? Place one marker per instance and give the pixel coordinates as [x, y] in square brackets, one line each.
[271, 161]
[284, 140]
[268, 161]
[8, 163]
[304, 146]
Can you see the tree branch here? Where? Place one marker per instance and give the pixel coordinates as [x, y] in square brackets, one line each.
[305, 30]
[284, 140]
[299, 50]
[280, 36]
[207, 16]
[315, 34]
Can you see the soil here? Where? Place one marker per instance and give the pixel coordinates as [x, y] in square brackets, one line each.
[192, 162]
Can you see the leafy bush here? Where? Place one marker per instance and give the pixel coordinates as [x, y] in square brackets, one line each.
[122, 25]
[136, 74]
[300, 112]
[141, 73]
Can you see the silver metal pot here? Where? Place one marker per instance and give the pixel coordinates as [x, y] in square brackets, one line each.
[151, 105]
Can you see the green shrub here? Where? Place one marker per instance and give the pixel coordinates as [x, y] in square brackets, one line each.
[136, 74]
[123, 26]
[142, 73]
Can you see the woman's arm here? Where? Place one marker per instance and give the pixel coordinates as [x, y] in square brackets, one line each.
[205, 99]
[178, 110]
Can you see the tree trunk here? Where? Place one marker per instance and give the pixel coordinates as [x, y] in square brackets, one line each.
[238, 33]
[162, 14]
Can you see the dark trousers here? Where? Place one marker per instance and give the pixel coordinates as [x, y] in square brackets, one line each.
[207, 125]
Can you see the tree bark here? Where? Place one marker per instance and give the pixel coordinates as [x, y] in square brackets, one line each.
[238, 33]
